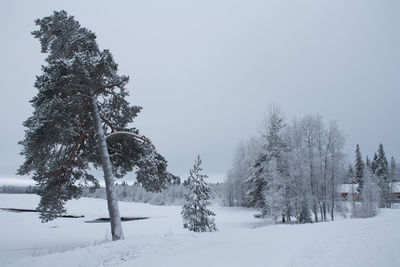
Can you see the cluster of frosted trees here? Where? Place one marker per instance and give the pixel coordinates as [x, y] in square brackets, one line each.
[290, 171]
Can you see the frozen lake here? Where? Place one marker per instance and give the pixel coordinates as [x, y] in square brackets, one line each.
[160, 240]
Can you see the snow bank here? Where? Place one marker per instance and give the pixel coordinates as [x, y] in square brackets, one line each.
[161, 240]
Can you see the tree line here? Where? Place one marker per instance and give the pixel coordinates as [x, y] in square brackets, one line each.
[291, 171]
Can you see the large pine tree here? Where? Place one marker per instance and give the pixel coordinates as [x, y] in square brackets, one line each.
[81, 119]
[196, 216]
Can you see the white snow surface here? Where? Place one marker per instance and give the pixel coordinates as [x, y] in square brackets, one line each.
[161, 240]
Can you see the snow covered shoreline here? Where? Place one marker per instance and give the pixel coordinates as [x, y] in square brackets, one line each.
[161, 240]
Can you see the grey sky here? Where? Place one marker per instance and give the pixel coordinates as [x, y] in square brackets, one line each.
[206, 71]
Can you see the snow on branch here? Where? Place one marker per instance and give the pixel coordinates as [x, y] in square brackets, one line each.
[142, 138]
[111, 85]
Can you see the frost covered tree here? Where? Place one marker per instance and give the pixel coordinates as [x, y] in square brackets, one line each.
[381, 167]
[274, 192]
[370, 197]
[196, 216]
[296, 169]
[81, 119]
[334, 159]
[270, 178]
[359, 169]
[300, 197]
[312, 133]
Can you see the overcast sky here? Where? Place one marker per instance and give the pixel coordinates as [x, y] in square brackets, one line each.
[206, 71]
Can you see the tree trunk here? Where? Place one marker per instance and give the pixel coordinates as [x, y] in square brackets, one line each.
[332, 205]
[113, 210]
[333, 193]
[315, 211]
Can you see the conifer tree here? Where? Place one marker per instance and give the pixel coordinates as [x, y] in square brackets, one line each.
[359, 169]
[382, 174]
[374, 163]
[196, 216]
[81, 118]
[269, 178]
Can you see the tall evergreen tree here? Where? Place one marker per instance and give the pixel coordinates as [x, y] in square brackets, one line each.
[382, 174]
[269, 177]
[359, 169]
[196, 216]
[81, 118]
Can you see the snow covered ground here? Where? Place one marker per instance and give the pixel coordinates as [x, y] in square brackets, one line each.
[161, 240]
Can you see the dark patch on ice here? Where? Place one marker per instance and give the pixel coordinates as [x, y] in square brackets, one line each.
[18, 210]
[72, 216]
[31, 210]
[123, 219]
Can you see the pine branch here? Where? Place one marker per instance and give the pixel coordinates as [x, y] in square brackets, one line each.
[142, 138]
[110, 86]
[113, 129]
[80, 140]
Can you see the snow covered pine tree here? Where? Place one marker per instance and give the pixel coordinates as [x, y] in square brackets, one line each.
[196, 216]
[269, 178]
[381, 168]
[360, 169]
[81, 119]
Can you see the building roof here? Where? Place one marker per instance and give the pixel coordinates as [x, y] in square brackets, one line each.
[347, 188]
[396, 187]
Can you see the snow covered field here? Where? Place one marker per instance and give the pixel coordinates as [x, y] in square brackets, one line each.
[161, 240]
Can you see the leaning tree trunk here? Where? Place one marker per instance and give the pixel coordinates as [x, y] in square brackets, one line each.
[113, 210]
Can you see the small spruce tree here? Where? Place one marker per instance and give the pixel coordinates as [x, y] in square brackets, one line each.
[196, 216]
